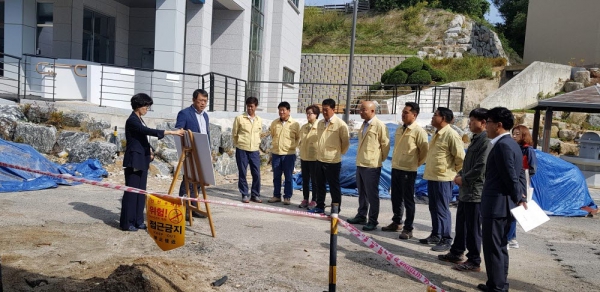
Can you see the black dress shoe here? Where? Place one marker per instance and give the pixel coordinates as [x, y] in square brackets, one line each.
[197, 215]
[131, 228]
[143, 226]
[482, 287]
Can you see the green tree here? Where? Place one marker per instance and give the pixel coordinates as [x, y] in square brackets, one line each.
[514, 13]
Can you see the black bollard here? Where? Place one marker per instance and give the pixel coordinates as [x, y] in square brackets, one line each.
[335, 209]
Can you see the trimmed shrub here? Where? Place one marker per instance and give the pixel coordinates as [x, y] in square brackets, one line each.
[437, 75]
[375, 86]
[420, 77]
[410, 65]
[398, 77]
[427, 67]
[386, 75]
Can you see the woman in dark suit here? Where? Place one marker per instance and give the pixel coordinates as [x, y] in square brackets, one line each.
[138, 155]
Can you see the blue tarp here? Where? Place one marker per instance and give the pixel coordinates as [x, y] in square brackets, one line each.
[560, 188]
[13, 180]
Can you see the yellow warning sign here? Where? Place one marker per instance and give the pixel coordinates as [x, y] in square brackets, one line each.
[166, 222]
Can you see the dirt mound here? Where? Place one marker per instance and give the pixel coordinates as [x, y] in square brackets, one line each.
[134, 278]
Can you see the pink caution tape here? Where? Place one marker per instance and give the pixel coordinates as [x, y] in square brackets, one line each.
[369, 242]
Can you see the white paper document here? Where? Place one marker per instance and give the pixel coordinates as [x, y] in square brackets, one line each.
[531, 218]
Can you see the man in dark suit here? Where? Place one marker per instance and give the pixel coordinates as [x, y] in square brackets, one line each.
[501, 192]
[194, 118]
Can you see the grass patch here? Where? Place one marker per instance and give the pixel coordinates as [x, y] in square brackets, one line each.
[467, 68]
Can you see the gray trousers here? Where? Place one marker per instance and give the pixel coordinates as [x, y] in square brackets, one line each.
[367, 181]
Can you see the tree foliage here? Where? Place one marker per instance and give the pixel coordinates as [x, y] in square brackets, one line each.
[476, 8]
[514, 13]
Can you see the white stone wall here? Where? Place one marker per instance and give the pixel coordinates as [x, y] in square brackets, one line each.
[229, 50]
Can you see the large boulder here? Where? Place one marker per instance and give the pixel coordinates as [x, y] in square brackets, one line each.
[577, 118]
[169, 155]
[161, 169]
[9, 116]
[103, 151]
[572, 86]
[36, 113]
[68, 140]
[96, 125]
[169, 140]
[594, 120]
[582, 77]
[568, 135]
[226, 165]
[227, 140]
[215, 137]
[265, 142]
[40, 137]
[75, 119]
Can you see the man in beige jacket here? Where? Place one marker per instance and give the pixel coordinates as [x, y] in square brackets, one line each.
[285, 133]
[332, 144]
[373, 148]
[246, 139]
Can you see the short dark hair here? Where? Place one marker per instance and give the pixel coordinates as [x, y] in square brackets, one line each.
[446, 114]
[479, 113]
[414, 107]
[252, 100]
[502, 115]
[140, 100]
[329, 102]
[315, 109]
[284, 104]
[201, 92]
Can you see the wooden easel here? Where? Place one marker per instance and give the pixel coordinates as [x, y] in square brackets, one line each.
[190, 160]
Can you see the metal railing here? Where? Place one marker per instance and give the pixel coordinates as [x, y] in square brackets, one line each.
[10, 77]
[363, 6]
[39, 82]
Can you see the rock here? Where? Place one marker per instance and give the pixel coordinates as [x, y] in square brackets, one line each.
[464, 40]
[103, 151]
[421, 54]
[594, 120]
[169, 155]
[7, 128]
[458, 55]
[462, 123]
[456, 30]
[449, 55]
[554, 132]
[68, 140]
[428, 50]
[265, 143]
[582, 77]
[577, 118]
[449, 42]
[451, 35]
[163, 169]
[37, 113]
[438, 52]
[169, 140]
[226, 165]
[458, 21]
[457, 129]
[572, 86]
[568, 135]
[75, 119]
[473, 51]
[11, 113]
[226, 140]
[95, 125]
[569, 148]
[265, 159]
[40, 137]
[432, 56]
[595, 72]
[215, 137]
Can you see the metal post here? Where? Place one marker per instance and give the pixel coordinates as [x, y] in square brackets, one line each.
[102, 82]
[212, 92]
[18, 89]
[448, 101]
[547, 126]
[350, 63]
[312, 91]
[536, 128]
[53, 79]
[236, 96]
[395, 98]
[25, 78]
[335, 209]
[434, 95]
[281, 98]
[462, 99]
[225, 101]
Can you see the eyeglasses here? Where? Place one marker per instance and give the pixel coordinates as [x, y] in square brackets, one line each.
[148, 107]
[308, 114]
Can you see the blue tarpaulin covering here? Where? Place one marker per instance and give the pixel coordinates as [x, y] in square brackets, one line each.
[13, 180]
[560, 188]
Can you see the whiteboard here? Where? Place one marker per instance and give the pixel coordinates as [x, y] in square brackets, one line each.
[206, 172]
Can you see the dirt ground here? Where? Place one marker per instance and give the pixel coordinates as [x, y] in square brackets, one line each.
[67, 239]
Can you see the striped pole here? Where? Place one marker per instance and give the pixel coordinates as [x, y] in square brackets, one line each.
[335, 209]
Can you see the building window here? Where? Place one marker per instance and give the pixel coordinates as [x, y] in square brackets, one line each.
[256, 34]
[288, 75]
[44, 35]
[98, 37]
[295, 2]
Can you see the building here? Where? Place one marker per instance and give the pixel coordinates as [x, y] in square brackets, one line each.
[564, 32]
[172, 44]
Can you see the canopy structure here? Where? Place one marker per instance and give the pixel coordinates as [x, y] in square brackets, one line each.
[585, 100]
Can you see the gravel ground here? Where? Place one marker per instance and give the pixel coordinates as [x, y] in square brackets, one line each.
[68, 239]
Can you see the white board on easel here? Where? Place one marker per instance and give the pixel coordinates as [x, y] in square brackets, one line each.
[202, 147]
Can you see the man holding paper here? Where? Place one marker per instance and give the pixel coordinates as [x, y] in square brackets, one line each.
[501, 192]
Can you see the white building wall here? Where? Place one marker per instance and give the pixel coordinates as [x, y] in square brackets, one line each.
[141, 35]
[230, 41]
[198, 37]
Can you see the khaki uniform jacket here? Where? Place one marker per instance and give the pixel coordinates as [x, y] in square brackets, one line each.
[333, 140]
[245, 134]
[410, 148]
[445, 156]
[285, 136]
[374, 146]
[308, 141]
